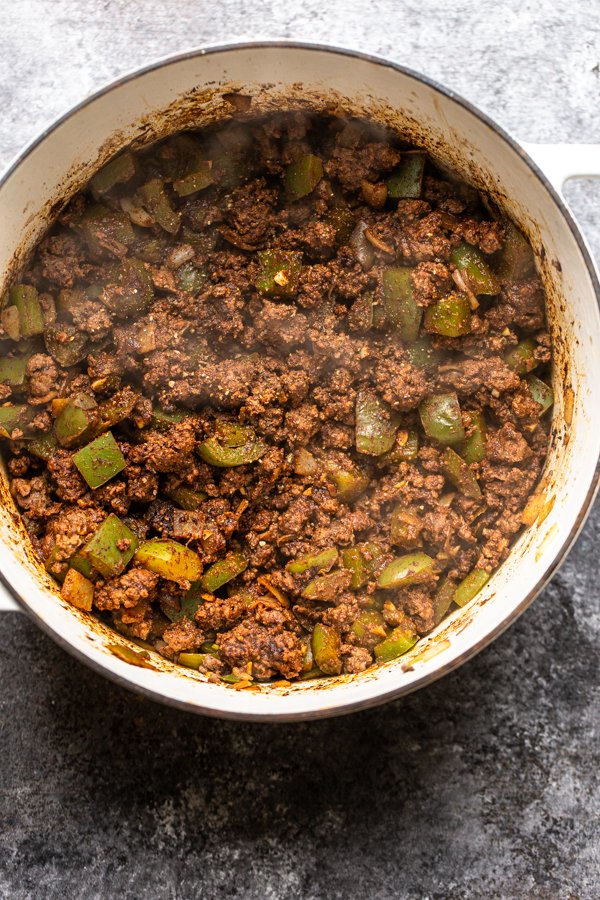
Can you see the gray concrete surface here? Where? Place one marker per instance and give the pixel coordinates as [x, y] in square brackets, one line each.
[485, 785]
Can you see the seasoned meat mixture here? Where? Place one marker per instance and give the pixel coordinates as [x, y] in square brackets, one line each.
[274, 396]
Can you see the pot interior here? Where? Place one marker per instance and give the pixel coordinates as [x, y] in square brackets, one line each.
[190, 92]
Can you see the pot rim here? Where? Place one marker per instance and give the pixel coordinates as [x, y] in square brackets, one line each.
[385, 695]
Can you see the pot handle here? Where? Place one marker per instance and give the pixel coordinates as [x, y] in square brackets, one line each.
[559, 162]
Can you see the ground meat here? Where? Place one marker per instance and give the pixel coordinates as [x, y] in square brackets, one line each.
[127, 589]
[488, 236]
[182, 635]
[351, 167]
[431, 281]
[400, 383]
[33, 496]
[336, 436]
[222, 397]
[42, 373]
[69, 530]
[280, 326]
[417, 603]
[142, 485]
[317, 239]
[93, 318]
[268, 650]
[507, 446]
[62, 260]
[356, 659]
[169, 451]
[68, 482]
[302, 423]
[249, 215]
[470, 375]
[220, 613]
[422, 239]
[526, 302]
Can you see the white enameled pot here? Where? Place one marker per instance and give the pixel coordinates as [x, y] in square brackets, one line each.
[188, 91]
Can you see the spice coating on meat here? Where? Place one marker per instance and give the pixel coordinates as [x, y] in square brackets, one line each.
[283, 383]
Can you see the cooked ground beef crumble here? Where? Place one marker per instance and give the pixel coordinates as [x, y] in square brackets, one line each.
[269, 401]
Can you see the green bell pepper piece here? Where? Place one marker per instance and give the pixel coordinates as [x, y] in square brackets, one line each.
[354, 562]
[43, 446]
[14, 417]
[119, 169]
[405, 527]
[101, 225]
[396, 644]
[190, 602]
[327, 587]
[441, 418]
[190, 278]
[24, 298]
[376, 425]
[130, 290]
[222, 571]
[309, 669]
[450, 316]
[472, 449]
[82, 565]
[162, 419]
[475, 270]
[76, 420]
[157, 203]
[100, 460]
[229, 151]
[327, 649]
[232, 445]
[442, 599]
[13, 370]
[279, 272]
[457, 470]
[302, 177]
[405, 449]
[321, 561]
[516, 257]
[406, 182]
[191, 660]
[11, 323]
[369, 628]
[111, 547]
[169, 559]
[65, 343]
[361, 561]
[350, 481]
[423, 355]
[413, 568]
[541, 392]
[521, 359]
[400, 306]
[56, 567]
[197, 179]
[77, 590]
[470, 586]
[115, 409]
[309, 674]
[187, 498]
[342, 221]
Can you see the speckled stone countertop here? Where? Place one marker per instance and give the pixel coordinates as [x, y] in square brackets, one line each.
[486, 784]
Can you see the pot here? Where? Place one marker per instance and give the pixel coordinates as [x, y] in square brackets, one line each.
[189, 90]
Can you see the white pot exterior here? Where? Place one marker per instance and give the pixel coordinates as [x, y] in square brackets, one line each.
[187, 91]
